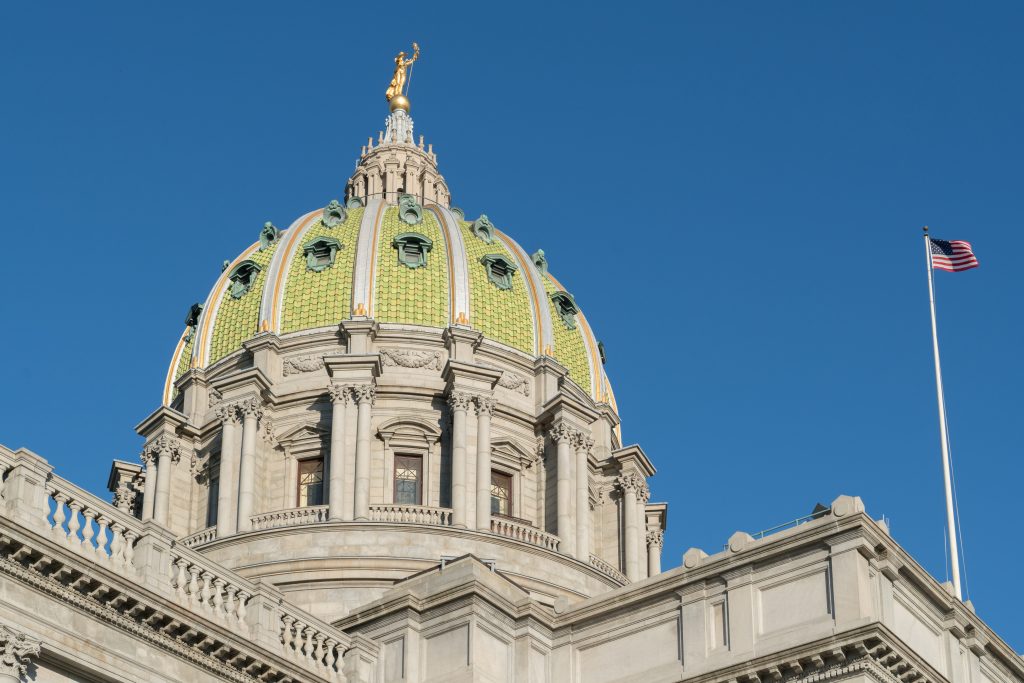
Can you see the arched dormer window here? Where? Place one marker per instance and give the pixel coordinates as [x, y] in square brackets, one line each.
[499, 270]
[412, 249]
[320, 253]
[566, 307]
[243, 277]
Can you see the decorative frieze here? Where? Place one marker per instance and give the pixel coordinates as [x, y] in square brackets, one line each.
[407, 358]
[301, 364]
[15, 650]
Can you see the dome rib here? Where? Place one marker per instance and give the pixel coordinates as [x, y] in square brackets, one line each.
[363, 280]
[458, 274]
[541, 316]
[273, 298]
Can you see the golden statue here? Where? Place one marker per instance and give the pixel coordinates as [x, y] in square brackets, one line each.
[398, 80]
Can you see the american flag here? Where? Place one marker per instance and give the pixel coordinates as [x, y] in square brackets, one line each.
[952, 256]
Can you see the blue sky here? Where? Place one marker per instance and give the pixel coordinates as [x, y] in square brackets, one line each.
[732, 190]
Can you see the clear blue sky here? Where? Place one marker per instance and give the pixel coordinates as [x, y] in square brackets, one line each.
[732, 190]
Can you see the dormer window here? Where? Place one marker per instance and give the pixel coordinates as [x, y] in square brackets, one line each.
[320, 253]
[483, 229]
[499, 270]
[243, 277]
[566, 307]
[412, 249]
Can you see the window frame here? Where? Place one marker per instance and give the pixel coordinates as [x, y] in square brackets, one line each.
[406, 239]
[299, 484]
[318, 248]
[510, 478]
[420, 460]
[504, 281]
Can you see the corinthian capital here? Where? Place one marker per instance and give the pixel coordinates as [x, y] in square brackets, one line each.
[15, 650]
[561, 432]
[630, 482]
[340, 393]
[159, 446]
[643, 494]
[227, 413]
[656, 538]
[364, 393]
[459, 400]
[484, 405]
[251, 407]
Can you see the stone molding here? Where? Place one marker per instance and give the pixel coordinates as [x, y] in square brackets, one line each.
[16, 648]
[301, 364]
[408, 358]
[152, 451]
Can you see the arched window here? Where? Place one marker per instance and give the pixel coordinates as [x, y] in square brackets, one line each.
[243, 277]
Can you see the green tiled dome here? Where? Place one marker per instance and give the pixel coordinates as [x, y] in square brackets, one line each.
[325, 269]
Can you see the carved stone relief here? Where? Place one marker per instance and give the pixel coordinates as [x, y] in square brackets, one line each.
[301, 364]
[407, 358]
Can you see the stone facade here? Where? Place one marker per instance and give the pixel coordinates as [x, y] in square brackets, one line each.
[404, 500]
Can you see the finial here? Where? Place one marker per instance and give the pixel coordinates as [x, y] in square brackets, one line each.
[395, 93]
[926, 229]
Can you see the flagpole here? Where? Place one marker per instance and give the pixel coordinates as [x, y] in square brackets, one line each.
[954, 555]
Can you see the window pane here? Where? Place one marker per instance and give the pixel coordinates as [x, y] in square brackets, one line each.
[311, 482]
[501, 494]
[408, 480]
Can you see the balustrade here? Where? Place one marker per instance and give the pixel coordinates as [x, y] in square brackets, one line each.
[523, 532]
[200, 537]
[291, 517]
[90, 525]
[411, 514]
[607, 569]
[208, 589]
[313, 644]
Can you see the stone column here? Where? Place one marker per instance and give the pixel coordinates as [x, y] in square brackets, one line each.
[226, 511]
[562, 435]
[364, 396]
[643, 494]
[459, 404]
[166, 450]
[655, 541]
[629, 485]
[337, 509]
[15, 650]
[149, 488]
[583, 445]
[484, 410]
[251, 411]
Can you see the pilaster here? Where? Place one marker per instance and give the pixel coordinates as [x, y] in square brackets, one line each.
[359, 334]
[265, 348]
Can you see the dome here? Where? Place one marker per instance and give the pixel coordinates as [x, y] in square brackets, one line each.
[398, 257]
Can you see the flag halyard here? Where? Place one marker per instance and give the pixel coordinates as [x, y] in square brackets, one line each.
[952, 256]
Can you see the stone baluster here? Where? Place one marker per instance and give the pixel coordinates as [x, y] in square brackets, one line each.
[59, 516]
[218, 598]
[562, 435]
[17, 649]
[240, 608]
[459, 403]
[193, 584]
[181, 578]
[307, 648]
[484, 410]
[338, 510]
[167, 450]
[87, 531]
[129, 547]
[655, 541]
[73, 522]
[117, 543]
[226, 510]
[102, 537]
[252, 413]
[287, 624]
[630, 484]
[364, 396]
[583, 444]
